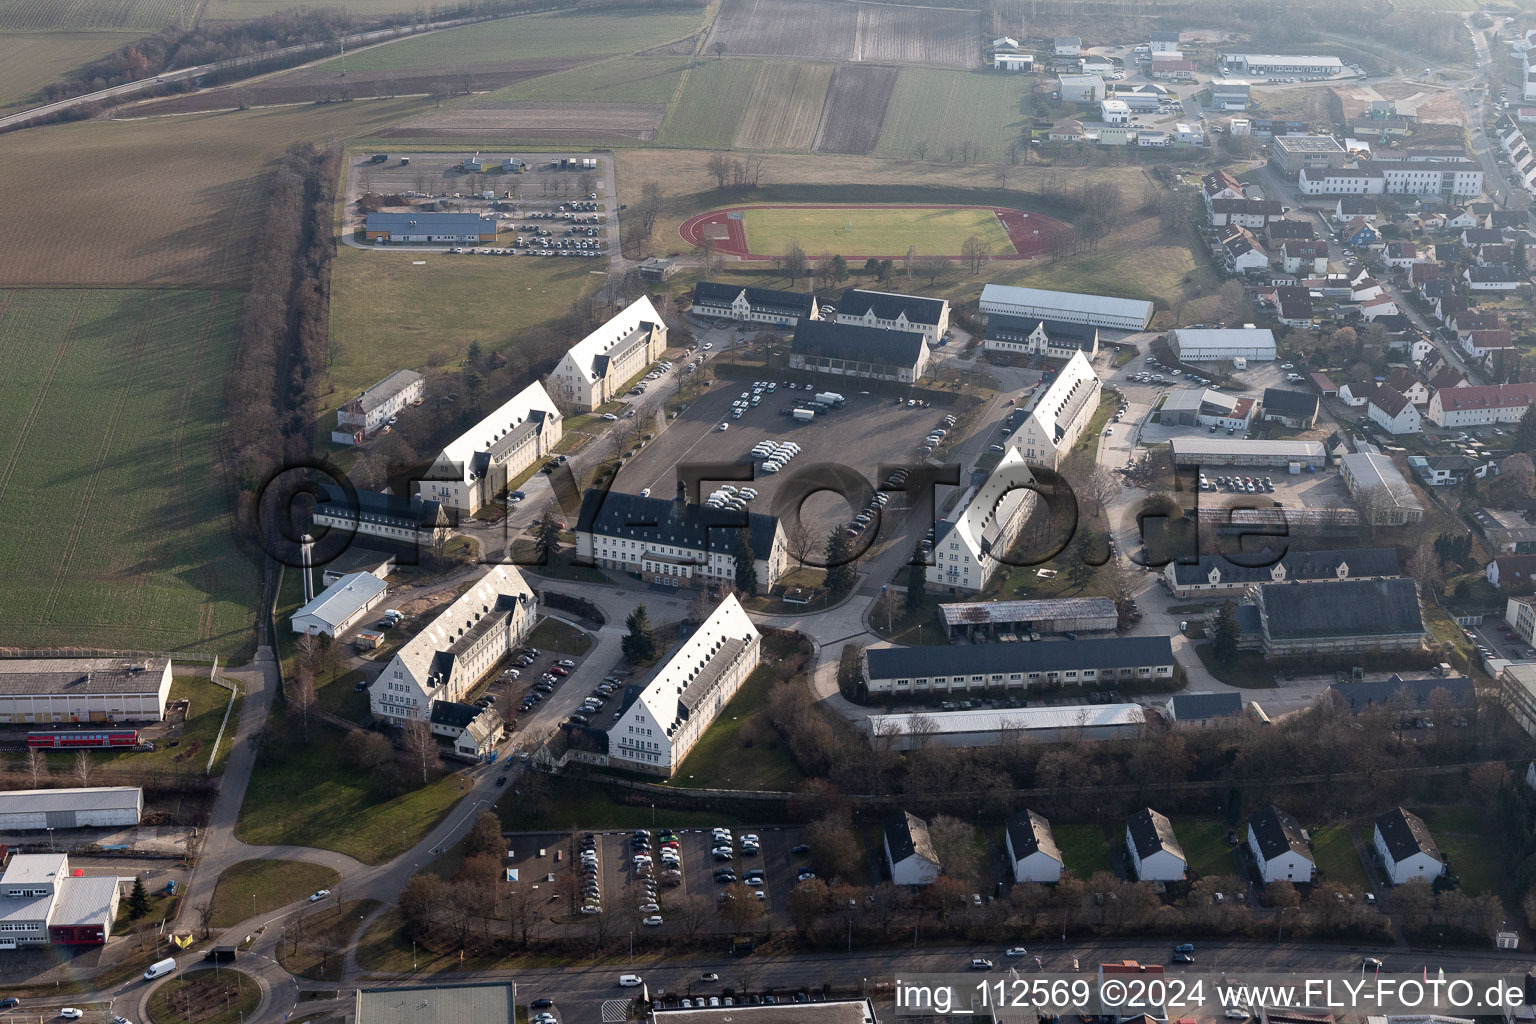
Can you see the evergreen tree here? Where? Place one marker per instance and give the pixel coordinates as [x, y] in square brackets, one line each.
[138, 900]
[872, 267]
[839, 269]
[1224, 633]
[547, 537]
[1525, 433]
[638, 644]
[746, 563]
[1517, 258]
[917, 576]
[840, 574]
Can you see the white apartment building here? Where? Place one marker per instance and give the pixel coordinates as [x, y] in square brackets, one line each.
[374, 408]
[465, 641]
[894, 312]
[1060, 414]
[968, 544]
[476, 466]
[596, 366]
[1480, 406]
[1279, 846]
[1031, 336]
[658, 727]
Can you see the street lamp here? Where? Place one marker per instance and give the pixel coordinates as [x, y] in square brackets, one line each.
[253, 904]
[50, 838]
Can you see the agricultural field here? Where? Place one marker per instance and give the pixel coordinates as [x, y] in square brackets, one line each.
[563, 34]
[242, 10]
[385, 311]
[1436, 5]
[531, 122]
[118, 524]
[867, 232]
[857, 98]
[620, 80]
[120, 204]
[947, 109]
[31, 60]
[918, 35]
[825, 30]
[712, 105]
[786, 106]
[74, 15]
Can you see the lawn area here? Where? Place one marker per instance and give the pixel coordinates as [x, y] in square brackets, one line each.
[1083, 849]
[341, 809]
[205, 997]
[1205, 846]
[111, 405]
[560, 637]
[1477, 854]
[620, 80]
[387, 312]
[1089, 440]
[741, 749]
[949, 108]
[561, 34]
[712, 105]
[565, 803]
[275, 883]
[31, 60]
[1247, 671]
[1334, 853]
[319, 951]
[340, 697]
[874, 232]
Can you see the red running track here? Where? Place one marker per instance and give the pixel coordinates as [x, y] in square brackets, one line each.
[1030, 233]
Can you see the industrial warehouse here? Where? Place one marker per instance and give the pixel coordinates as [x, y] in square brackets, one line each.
[60, 690]
[1048, 615]
[982, 666]
[1226, 451]
[26, 810]
[1067, 307]
[993, 728]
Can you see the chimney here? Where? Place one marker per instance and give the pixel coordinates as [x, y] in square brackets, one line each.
[682, 494]
[306, 557]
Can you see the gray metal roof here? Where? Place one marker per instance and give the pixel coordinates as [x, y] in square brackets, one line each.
[343, 599]
[84, 901]
[430, 224]
[1285, 402]
[386, 389]
[1062, 716]
[1044, 656]
[1027, 611]
[1202, 447]
[96, 798]
[490, 1003]
[34, 868]
[848, 1011]
[81, 676]
[1102, 305]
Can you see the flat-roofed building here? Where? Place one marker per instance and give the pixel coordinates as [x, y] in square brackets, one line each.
[1381, 492]
[1059, 414]
[832, 1011]
[1517, 688]
[664, 717]
[1290, 153]
[1205, 345]
[1103, 660]
[1008, 725]
[58, 690]
[473, 468]
[596, 367]
[1044, 615]
[1280, 64]
[1068, 307]
[43, 901]
[29, 810]
[970, 543]
[429, 228]
[1327, 180]
[1081, 88]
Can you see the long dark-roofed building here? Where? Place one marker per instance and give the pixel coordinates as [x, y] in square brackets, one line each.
[80, 690]
[1232, 575]
[1032, 336]
[895, 312]
[405, 521]
[673, 543]
[1340, 617]
[1295, 409]
[753, 305]
[1407, 694]
[996, 666]
[851, 350]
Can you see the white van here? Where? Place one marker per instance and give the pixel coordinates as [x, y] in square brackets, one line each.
[160, 969]
[629, 981]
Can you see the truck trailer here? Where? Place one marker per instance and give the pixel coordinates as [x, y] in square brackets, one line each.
[804, 415]
[831, 399]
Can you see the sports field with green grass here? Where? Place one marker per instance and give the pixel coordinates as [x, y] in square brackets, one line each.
[117, 513]
[564, 34]
[873, 231]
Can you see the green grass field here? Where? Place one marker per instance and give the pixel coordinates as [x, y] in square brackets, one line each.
[117, 531]
[27, 15]
[30, 60]
[211, 997]
[947, 108]
[1334, 853]
[273, 883]
[1475, 851]
[1205, 847]
[712, 105]
[340, 809]
[620, 80]
[386, 312]
[863, 233]
[1083, 849]
[563, 34]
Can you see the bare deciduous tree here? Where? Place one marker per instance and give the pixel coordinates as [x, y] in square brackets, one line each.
[976, 251]
[37, 766]
[420, 748]
[84, 768]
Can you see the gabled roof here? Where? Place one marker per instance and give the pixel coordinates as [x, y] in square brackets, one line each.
[1285, 402]
[343, 599]
[1389, 400]
[1500, 337]
[376, 508]
[907, 835]
[1386, 692]
[1278, 833]
[1298, 565]
[1374, 607]
[1447, 377]
[1405, 835]
[664, 521]
[384, 390]
[452, 714]
[1046, 656]
[1482, 236]
[857, 342]
[890, 305]
[1152, 833]
[764, 300]
[1228, 204]
[527, 410]
[1497, 273]
[1304, 248]
[1199, 707]
[1030, 833]
[1059, 333]
[1355, 205]
[1283, 229]
[619, 328]
[1491, 396]
[1218, 181]
[689, 676]
[429, 655]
